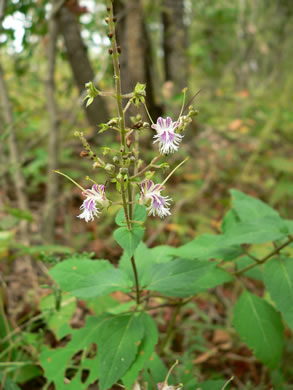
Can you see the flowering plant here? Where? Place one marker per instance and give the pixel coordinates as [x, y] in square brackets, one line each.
[126, 335]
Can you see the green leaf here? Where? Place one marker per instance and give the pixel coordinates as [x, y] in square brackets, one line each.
[9, 384]
[120, 218]
[260, 326]
[87, 279]
[55, 319]
[254, 273]
[129, 239]
[213, 278]
[230, 221]
[163, 253]
[207, 247]
[256, 232]
[278, 278]
[178, 278]
[211, 385]
[145, 350]
[143, 260]
[118, 341]
[56, 361]
[139, 214]
[157, 369]
[249, 208]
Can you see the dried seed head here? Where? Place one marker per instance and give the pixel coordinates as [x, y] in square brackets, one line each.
[84, 153]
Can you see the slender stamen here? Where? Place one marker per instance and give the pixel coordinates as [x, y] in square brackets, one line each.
[175, 169]
[69, 178]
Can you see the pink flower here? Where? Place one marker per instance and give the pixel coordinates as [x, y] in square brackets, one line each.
[95, 195]
[150, 193]
[168, 140]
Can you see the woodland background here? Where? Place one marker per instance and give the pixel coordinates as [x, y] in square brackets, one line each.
[238, 53]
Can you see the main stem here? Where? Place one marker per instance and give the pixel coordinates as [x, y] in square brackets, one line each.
[117, 78]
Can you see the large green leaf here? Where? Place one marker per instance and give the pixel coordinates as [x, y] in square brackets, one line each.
[255, 232]
[118, 341]
[88, 278]
[155, 371]
[144, 260]
[208, 246]
[278, 278]
[260, 326]
[57, 318]
[145, 350]
[56, 361]
[230, 221]
[249, 208]
[8, 384]
[214, 277]
[129, 239]
[178, 278]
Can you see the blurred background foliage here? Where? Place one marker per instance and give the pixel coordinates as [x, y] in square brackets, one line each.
[238, 53]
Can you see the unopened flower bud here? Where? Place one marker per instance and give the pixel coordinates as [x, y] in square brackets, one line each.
[107, 20]
[110, 35]
[132, 159]
[116, 160]
[114, 20]
[123, 171]
[110, 168]
[110, 51]
[119, 49]
[96, 165]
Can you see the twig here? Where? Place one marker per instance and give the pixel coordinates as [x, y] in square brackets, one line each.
[264, 259]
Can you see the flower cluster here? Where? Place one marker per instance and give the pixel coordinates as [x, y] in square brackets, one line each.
[168, 140]
[150, 194]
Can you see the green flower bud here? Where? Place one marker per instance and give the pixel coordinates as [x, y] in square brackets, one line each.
[123, 171]
[110, 168]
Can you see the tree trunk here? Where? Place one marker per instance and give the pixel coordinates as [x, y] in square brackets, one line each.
[136, 60]
[174, 42]
[50, 210]
[80, 64]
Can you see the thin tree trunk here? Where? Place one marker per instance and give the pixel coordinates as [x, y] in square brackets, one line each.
[14, 156]
[24, 264]
[174, 42]
[136, 59]
[80, 64]
[50, 211]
